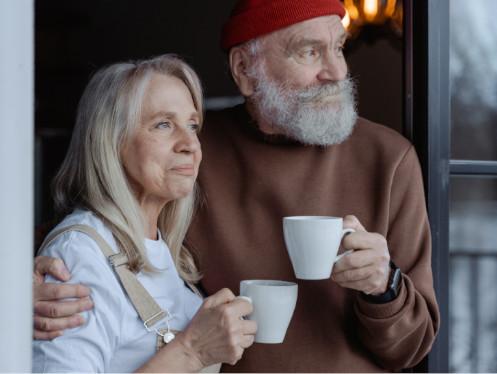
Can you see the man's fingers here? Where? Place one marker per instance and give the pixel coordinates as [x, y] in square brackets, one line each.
[43, 335]
[353, 275]
[370, 279]
[351, 222]
[57, 291]
[355, 260]
[43, 324]
[364, 240]
[53, 309]
[52, 266]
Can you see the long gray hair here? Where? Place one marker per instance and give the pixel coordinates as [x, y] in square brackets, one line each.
[92, 176]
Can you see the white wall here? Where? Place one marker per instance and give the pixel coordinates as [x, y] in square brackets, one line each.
[16, 183]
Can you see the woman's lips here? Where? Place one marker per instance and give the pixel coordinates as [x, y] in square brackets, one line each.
[187, 170]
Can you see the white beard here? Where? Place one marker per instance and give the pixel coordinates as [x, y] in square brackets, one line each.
[319, 115]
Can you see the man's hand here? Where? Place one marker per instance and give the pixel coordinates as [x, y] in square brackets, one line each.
[53, 314]
[367, 269]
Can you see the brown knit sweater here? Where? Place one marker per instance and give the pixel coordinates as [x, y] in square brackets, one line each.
[251, 181]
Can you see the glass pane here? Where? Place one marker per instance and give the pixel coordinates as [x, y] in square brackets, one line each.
[473, 275]
[473, 71]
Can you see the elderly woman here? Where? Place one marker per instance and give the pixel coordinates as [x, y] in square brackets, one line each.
[129, 180]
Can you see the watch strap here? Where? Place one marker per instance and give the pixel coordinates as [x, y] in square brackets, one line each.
[393, 288]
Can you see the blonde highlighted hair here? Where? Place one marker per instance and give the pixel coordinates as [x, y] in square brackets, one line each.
[92, 176]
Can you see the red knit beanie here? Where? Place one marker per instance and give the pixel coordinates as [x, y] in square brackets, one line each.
[252, 18]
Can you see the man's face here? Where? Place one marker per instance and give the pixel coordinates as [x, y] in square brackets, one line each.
[306, 54]
[301, 87]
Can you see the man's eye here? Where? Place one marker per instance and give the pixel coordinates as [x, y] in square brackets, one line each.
[310, 52]
[308, 56]
[163, 125]
[340, 49]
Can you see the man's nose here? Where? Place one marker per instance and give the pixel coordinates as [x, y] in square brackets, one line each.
[187, 141]
[333, 68]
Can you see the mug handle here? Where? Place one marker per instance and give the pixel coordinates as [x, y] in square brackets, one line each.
[246, 298]
[345, 232]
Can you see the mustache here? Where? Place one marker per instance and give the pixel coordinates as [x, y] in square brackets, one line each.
[317, 93]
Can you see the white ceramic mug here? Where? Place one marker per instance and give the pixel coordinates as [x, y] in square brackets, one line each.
[274, 302]
[312, 243]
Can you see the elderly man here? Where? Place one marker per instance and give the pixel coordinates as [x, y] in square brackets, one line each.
[297, 147]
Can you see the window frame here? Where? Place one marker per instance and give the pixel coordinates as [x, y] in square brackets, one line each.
[427, 123]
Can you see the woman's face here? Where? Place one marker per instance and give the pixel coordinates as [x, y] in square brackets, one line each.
[162, 156]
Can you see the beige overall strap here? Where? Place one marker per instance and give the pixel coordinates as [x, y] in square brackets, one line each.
[146, 307]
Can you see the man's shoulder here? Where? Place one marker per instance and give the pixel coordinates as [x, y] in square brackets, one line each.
[375, 135]
[222, 126]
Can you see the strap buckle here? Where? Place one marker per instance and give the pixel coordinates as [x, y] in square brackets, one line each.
[165, 316]
[168, 335]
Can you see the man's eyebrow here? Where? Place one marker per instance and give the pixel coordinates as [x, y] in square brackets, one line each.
[300, 43]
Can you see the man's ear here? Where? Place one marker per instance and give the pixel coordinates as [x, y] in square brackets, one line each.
[239, 61]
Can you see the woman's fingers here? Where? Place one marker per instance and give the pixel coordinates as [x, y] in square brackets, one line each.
[221, 297]
[249, 327]
[247, 341]
[241, 307]
[218, 333]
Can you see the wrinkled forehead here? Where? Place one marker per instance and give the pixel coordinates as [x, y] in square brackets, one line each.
[325, 28]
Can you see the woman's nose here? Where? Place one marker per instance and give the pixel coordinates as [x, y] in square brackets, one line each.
[187, 142]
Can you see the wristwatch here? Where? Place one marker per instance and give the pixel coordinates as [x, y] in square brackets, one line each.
[393, 289]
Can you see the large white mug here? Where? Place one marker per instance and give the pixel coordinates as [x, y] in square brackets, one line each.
[273, 302]
[312, 243]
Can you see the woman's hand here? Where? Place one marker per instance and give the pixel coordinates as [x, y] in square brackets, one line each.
[218, 332]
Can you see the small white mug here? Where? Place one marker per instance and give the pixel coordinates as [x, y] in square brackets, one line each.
[312, 243]
[274, 302]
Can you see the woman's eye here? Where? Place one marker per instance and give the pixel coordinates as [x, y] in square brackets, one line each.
[163, 125]
[195, 127]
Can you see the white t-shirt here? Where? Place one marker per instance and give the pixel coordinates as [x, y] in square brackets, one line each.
[113, 339]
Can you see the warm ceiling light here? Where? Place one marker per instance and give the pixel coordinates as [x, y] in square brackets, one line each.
[370, 9]
[390, 8]
[363, 12]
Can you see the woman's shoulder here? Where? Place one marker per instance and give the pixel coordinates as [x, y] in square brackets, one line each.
[75, 246]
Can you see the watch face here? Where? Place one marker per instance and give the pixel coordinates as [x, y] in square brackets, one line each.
[395, 282]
